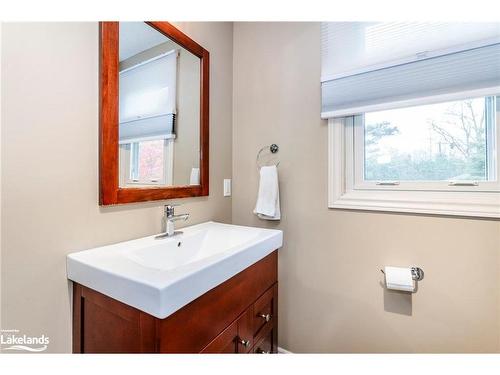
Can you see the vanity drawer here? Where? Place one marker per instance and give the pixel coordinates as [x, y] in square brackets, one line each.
[265, 344]
[264, 310]
[225, 343]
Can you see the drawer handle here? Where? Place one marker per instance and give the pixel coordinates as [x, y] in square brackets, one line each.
[245, 343]
[266, 317]
[260, 351]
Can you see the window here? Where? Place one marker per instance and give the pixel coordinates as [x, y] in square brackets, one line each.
[437, 158]
[440, 146]
[148, 162]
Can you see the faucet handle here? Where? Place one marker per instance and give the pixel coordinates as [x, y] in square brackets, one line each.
[171, 205]
[169, 208]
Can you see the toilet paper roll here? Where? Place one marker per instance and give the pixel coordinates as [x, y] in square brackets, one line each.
[399, 278]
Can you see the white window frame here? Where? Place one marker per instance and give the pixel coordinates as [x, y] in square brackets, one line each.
[356, 135]
[347, 190]
[168, 163]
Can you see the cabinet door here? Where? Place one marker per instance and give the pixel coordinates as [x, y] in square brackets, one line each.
[226, 342]
[104, 325]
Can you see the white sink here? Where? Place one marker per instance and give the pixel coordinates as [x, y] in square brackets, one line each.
[159, 276]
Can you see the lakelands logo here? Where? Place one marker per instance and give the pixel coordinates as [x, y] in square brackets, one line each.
[12, 340]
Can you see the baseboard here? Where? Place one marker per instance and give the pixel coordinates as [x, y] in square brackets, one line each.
[283, 351]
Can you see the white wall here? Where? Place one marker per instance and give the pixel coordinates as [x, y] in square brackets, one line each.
[331, 299]
[49, 166]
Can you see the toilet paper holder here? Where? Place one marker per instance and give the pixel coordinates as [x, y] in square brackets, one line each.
[417, 273]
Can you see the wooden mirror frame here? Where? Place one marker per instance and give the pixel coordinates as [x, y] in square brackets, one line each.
[110, 191]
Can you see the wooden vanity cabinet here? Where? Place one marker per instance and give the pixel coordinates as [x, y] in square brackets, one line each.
[255, 331]
[238, 316]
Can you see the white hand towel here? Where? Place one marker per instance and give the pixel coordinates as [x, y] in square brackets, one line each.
[194, 179]
[268, 199]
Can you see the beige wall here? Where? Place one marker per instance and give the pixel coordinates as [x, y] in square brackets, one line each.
[50, 166]
[331, 299]
[187, 145]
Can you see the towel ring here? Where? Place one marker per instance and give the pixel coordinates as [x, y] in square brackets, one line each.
[274, 148]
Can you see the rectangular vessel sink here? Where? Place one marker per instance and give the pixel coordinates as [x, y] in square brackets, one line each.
[159, 276]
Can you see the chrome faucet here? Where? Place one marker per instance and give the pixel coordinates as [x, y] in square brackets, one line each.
[170, 218]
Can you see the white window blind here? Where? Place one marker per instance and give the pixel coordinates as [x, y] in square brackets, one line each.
[147, 104]
[369, 66]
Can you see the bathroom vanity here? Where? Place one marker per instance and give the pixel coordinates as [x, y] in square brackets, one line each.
[211, 289]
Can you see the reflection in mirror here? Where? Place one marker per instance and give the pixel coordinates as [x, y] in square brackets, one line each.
[159, 109]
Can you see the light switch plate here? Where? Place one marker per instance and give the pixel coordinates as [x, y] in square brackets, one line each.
[227, 187]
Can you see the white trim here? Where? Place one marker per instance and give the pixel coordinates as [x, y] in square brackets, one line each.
[283, 351]
[143, 139]
[492, 116]
[437, 203]
[168, 161]
[433, 99]
[341, 193]
[336, 164]
[132, 67]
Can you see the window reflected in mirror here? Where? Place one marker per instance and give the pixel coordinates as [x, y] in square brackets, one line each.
[159, 109]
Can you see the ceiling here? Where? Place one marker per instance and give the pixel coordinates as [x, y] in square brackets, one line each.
[136, 37]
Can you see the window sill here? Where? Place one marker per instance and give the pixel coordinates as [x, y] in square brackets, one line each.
[437, 203]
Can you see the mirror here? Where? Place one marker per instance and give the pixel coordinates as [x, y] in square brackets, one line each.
[159, 109]
[154, 113]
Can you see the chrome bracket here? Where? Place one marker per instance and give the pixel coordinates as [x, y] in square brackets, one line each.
[417, 273]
